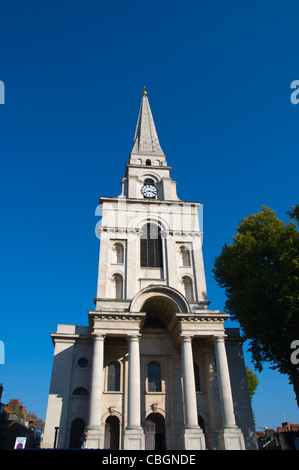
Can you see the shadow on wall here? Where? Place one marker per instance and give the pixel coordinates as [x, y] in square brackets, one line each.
[68, 401]
[239, 385]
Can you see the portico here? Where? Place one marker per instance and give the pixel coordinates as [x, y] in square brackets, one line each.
[162, 315]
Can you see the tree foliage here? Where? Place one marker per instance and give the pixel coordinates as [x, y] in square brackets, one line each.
[294, 213]
[260, 274]
[252, 381]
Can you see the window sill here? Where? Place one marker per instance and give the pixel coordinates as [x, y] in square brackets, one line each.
[151, 267]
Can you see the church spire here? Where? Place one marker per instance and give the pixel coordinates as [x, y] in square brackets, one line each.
[146, 140]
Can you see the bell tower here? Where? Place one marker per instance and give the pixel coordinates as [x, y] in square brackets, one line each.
[148, 235]
[151, 369]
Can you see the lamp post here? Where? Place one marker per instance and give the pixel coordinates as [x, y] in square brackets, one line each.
[56, 435]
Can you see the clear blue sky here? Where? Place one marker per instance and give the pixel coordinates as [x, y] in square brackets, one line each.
[218, 76]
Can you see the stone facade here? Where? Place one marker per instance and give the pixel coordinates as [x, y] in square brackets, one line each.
[155, 368]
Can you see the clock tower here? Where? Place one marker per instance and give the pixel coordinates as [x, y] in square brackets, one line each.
[155, 368]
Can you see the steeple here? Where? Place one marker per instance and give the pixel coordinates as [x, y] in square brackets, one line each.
[146, 140]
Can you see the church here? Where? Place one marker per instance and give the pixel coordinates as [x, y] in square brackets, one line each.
[155, 368]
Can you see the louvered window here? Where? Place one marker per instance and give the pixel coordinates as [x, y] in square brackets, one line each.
[151, 247]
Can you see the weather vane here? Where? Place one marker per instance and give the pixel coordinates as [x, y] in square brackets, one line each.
[144, 92]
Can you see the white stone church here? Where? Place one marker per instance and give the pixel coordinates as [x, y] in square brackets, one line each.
[154, 369]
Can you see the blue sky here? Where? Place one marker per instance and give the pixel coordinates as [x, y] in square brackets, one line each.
[218, 76]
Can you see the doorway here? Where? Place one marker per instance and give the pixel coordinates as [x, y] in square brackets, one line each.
[155, 432]
[111, 433]
[77, 430]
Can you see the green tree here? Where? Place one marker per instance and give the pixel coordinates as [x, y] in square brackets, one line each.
[260, 274]
[252, 380]
[294, 213]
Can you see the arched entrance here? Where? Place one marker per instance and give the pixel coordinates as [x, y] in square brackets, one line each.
[171, 297]
[77, 430]
[155, 432]
[111, 433]
[161, 304]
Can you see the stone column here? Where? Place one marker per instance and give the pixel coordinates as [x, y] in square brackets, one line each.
[212, 437]
[193, 437]
[230, 436]
[95, 438]
[134, 436]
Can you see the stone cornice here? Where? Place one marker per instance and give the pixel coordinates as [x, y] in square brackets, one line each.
[64, 337]
[203, 323]
[145, 201]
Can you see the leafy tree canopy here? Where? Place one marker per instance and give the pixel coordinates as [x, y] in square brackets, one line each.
[260, 274]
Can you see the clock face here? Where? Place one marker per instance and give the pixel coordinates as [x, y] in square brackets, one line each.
[149, 190]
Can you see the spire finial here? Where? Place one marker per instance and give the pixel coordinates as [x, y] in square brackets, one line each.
[144, 92]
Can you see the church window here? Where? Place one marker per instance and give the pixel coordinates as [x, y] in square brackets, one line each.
[185, 256]
[151, 247]
[80, 392]
[188, 288]
[148, 162]
[113, 382]
[83, 362]
[154, 377]
[149, 181]
[118, 286]
[119, 253]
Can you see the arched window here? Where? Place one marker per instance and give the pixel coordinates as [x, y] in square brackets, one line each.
[188, 288]
[185, 256]
[148, 162]
[151, 247]
[149, 181]
[154, 377]
[119, 253]
[80, 392]
[196, 377]
[118, 286]
[113, 382]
